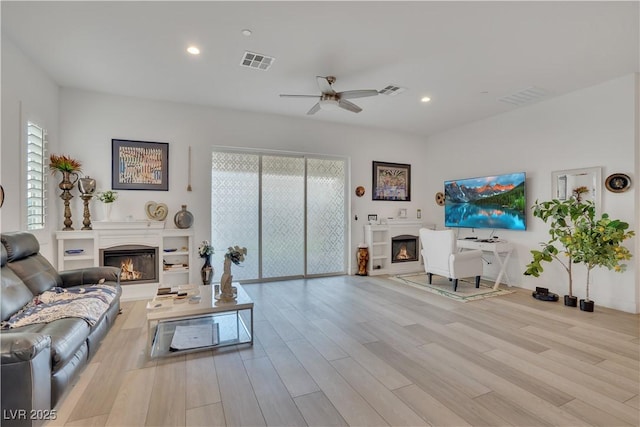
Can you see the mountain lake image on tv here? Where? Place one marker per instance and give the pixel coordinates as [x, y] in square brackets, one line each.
[486, 202]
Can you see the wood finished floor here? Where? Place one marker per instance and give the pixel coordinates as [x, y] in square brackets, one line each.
[364, 351]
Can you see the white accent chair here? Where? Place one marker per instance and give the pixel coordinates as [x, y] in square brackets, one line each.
[441, 257]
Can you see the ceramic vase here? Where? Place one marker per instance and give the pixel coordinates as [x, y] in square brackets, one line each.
[107, 211]
[206, 272]
[184, 218]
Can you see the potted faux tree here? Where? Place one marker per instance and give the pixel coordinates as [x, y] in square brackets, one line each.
[561, 216]
[597, 242]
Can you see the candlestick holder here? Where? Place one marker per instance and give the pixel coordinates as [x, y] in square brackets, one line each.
[86, 222]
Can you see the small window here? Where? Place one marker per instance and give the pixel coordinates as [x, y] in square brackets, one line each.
[36, 177]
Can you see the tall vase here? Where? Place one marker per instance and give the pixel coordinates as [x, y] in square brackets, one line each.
[66, 185]
[207, 271]
[107, 211]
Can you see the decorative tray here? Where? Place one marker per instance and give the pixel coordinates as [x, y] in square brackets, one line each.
[74, 251]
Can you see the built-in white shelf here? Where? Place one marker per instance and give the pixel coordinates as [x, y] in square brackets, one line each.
[108, 234]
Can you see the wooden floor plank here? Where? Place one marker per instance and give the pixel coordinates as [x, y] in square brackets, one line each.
[388, 405]
[133, 399]
[441, 390]
[295, 378]
[209, 415]
[592, 415]
[275, 402]
[532, 398]
[201, 380]
[432, 410]
[513, 414]
[389, 376]
[167, 404]
[590, 396]
[318, 411]
[239, 402]
[353, 408]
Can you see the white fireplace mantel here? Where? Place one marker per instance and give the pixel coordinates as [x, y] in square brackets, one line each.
[78, 249]
[378, 239]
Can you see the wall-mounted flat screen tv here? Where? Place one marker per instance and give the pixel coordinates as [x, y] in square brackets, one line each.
[486, 202]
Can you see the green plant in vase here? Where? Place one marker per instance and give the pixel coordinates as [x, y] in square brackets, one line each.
[205, 250]
[561, 216]
[107, 197]
[597, 242]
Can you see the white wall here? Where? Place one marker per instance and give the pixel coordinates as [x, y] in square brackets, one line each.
[590, 127]
[27, 94]
[89, 120]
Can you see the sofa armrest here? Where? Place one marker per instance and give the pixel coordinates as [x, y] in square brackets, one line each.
[26, 377]
[16, 347]
[89, 276]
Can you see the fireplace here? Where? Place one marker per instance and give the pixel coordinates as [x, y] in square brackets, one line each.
[404, 248]
[139, 263]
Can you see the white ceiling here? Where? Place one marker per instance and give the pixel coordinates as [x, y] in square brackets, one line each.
[464, 55]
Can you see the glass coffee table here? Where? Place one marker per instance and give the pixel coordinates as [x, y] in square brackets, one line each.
[185, 327]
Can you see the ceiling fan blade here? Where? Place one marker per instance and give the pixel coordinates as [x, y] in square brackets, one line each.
[349, 106]
[350, 94]
[283, 95]
[314, 109]
[325, 86]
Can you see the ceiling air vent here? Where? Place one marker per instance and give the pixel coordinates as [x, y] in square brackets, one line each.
[257, 61]
[392, 90]
[524, 96]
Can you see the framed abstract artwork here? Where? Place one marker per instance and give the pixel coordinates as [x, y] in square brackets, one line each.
[391, 181]
[139, 165]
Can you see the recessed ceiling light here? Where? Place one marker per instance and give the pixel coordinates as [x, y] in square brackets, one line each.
[193, 50]
[425, 99]
[246, 32]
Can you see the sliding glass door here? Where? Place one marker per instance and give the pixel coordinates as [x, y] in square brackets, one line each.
[288, 210]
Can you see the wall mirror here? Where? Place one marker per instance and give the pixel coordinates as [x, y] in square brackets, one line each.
[564, 182]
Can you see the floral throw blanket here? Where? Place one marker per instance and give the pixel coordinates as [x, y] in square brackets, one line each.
[88, 303]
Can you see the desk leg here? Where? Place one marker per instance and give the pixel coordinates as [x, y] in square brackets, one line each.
[503, 267]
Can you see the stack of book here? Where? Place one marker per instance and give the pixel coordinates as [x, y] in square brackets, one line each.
[175, 267]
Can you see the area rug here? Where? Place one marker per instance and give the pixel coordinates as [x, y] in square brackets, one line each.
[441, 285]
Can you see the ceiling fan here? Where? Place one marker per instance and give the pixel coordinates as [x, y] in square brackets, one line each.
[329, 99]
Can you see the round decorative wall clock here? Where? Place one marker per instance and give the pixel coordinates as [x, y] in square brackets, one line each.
[618, 182]
[440, 198]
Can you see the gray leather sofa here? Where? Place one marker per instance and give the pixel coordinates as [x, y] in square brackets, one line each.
[39, 361]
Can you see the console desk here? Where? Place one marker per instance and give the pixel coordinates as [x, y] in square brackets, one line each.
[499, 248]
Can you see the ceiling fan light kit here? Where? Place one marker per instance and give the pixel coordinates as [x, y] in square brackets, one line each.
[329, 99]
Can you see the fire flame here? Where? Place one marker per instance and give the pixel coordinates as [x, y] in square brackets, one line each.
[128, 271]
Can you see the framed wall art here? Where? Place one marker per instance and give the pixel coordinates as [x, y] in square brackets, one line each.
[139, 165]
[391, 181]
[618, 183]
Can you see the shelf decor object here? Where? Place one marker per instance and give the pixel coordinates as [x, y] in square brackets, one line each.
[391, 181]
[156, 211]
[69, 168]
[205, 250]
[184, 218]
[108, 198]
[618, 183]
[87, 187]
[139, 165]
[234, 255]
